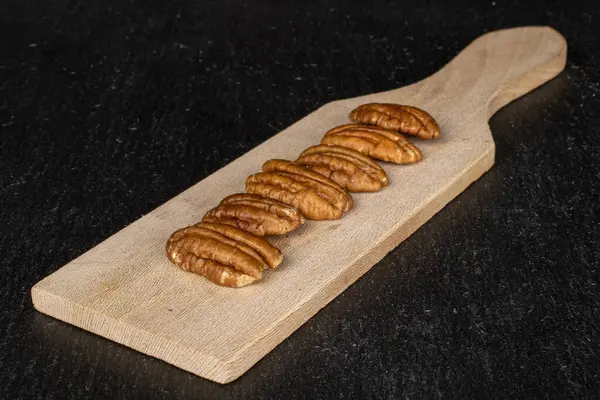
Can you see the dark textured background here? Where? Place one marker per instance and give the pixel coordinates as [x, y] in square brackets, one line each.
[108, 108]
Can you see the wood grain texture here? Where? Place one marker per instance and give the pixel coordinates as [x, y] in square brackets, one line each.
[126, 290]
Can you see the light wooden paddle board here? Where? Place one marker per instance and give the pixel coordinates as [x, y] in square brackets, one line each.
[126, 290]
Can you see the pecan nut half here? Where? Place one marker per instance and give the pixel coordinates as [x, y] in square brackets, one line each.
[406, 119]
[392, 135]
[323, 185]
[221, 260]
[350, 171]
[375, 145]
[257, 220]
[312, 204]
[245, 248]
[365, 162]
[270, 254]
[281, 209]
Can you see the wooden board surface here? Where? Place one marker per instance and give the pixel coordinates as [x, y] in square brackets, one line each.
[126, 290]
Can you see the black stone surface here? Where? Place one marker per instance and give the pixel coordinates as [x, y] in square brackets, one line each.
[109, 108]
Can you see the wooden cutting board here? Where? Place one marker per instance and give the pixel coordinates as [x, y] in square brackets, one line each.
[126, 290]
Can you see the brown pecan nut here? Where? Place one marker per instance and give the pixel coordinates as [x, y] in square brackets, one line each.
[326, 187]
[406, 119]
[281, 209]
[345, 166]
[277, 165]
[392, 135]
[208, 233]
[256, 220]
[312, 204]
[340, 170]
[221, 260]
[374, 144]
[269, 253]
[364, 161]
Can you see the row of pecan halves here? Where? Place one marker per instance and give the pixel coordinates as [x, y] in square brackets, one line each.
[227, 246]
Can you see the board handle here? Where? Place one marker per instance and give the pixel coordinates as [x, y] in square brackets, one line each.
[499, 67]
